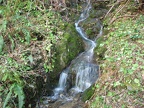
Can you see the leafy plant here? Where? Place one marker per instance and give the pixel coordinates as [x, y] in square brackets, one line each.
[15, 88]
[122, 65]
[18, 92]
[1, 43]
[28, 31]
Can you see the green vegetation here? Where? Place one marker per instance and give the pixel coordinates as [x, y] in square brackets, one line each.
[121, 82]
[88, 93]
[34, 40]
[28, 31]
[66, 50]
[35, 45]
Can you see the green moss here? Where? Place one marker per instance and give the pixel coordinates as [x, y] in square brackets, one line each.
[89, 32]
[66, 49]
[88, 93]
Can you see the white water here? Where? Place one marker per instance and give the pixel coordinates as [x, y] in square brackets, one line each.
[86, 72]
[62, 80]
[85, 76]
[61, 86]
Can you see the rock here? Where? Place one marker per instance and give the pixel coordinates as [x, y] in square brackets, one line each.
[66, 50]
[93, 72]
[87, 93]
[72, 104]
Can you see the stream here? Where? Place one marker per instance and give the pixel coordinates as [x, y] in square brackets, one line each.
[80, 74]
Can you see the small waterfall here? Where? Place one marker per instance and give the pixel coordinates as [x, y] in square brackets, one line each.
[82, 79]
[85, 77]
[86, 72]
[61, 85]
[62, 80]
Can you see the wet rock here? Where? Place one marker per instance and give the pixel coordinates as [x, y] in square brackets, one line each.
[73, 104]
[66, 50]
[86, 95]
[92, 71]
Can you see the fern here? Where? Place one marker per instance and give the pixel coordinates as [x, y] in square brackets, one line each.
[8, 96]
[27, 35]
[4, 26]
[1, 43]
[12, 42]
[18, 91]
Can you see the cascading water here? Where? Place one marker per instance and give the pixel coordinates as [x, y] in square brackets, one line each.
[61, 85]
[63, 79]
[86, 72]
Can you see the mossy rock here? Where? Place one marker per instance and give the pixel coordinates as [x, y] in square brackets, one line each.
[66, 50]
[88, 93]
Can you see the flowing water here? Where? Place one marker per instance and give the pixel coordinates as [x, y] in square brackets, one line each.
[82, 72]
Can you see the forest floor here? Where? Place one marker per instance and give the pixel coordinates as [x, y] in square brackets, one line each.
[121, 84]
[28, 31]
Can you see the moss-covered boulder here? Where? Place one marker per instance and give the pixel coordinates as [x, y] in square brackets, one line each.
[67, 48]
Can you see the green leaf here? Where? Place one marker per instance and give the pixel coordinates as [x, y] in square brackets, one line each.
[136, 81]
[110, 93]
[19, 92]
[97, 86]
[8, 96]
[117, 83]
[4, 24]
[12, 42]
[48, 48]
[5, 77]
[0, 10]
[27, 35]
[30, 58]
[1, 43]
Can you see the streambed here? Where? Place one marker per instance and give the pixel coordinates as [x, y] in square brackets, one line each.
[79, 75]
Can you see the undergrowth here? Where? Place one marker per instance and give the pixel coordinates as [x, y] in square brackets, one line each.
[28, 29]
[121, 83]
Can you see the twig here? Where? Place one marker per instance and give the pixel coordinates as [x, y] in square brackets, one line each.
[113, 20]
[121, 8]
[119, 11]
[40, 9]
[110, 10]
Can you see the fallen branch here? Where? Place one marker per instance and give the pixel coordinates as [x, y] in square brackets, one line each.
[121, 7]
[122, 17]
[110, 9]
